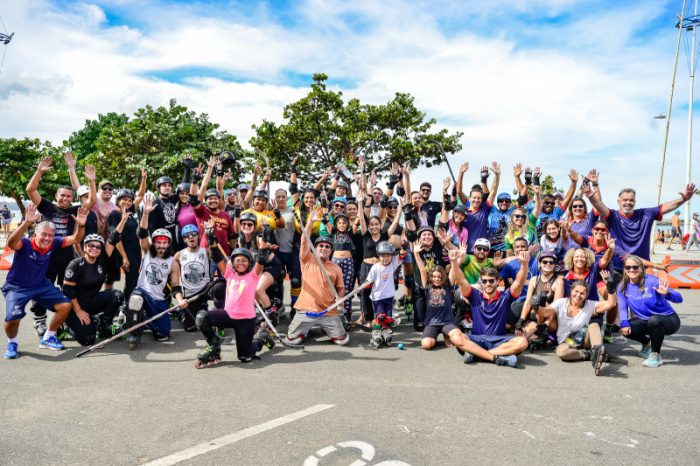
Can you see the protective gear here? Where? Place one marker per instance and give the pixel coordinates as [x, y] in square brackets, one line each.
[243, 187]
[210, 356]
[409, 282]
[260, 193]
[343, 184]
[376, 340]
[392, 201]
[384, 201]
[82, 189]
[69, 291]
[243, 252]
[340, 216]
[528, 176]
[408, 210]
[218, 294]
[339, 341]
[183, 188]
[295, 283]
[93, 237]
[122, 193]
[483, 242]
[426, 228]
[248, 217]
[385, 247]
[134, 310]
[188, 229]
[227, 158]
[263, 338]
[462, 209]
[340, 199]
[503, 196]
[115, 238]
[323, 239]
[163, 180]
[161, 232]
[212, 192]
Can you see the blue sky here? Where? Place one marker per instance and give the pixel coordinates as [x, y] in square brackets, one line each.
[557, 83]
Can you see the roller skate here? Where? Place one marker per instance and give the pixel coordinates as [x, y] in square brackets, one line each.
[407, 308]
[386, 336]
[263, 338]
[211, 356]
[376, 340]
[133, 341]
[598, 356]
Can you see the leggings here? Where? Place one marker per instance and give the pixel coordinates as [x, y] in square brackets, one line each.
[106, 302]
[244, 330]
[348, 268]
[365, 300]
[654, 330]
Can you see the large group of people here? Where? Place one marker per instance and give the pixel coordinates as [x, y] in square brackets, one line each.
[494, 273]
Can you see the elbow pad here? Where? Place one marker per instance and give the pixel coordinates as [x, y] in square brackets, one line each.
[401, 191]
[407, 210]
[215, 254]
[522, 200]
[293, 188]
[411, 235]
[69, 291]
[115, 238]
[142, 233]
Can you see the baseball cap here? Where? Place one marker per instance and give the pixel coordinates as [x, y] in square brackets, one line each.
[104, 183]
[483, 242]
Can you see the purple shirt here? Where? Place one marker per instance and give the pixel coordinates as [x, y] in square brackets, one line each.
[646, 302]
[478, 224]
[29, 265]
[585, 226]
[633, 233]
[489, 315]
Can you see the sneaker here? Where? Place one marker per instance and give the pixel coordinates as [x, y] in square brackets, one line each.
[40, 328]
[468, 358]
[51, 343]
[160, 336]
[645, 351]
[510, 360]
[11, 352]
[654, 360]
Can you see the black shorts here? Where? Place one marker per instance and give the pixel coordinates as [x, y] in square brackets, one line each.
[274, 268]
[432, 331]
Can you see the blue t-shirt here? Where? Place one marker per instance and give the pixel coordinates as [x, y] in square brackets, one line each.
[510, 271]
[592, 278]
[489, 316]
[633, 233]
[29, 266]
[556, 214]
[438, 305]
[646, 302]
[478, 224]
[585, 226]
[498, 227]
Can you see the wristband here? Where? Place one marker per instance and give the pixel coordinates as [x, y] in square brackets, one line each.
[594, 184]
[197, 176]
[177, 289]
[277, 213]
[536, 179]
[262, 256]
[292, 168]
[215, 254]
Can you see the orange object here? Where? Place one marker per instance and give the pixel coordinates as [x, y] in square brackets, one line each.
[681, 276]
[6, 258]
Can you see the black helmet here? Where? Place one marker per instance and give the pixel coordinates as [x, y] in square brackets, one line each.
[184, 188]
[462, 209]
[227, 158]
[243, 252]
[385, 247]
[337, 217]
[323, 239]
[392, 201]
[212, 192]
[248, 217]
[122, 193]
[260, 193]
[163, 180]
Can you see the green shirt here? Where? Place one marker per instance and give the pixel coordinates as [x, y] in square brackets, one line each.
[530, 234]
[472, 268]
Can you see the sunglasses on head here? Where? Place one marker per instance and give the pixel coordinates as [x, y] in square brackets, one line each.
[631, 267]
[488, 281]
[481, 248]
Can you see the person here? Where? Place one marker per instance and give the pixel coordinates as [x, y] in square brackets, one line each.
[543, 288]
[158, 270]
[490, 309]
[431, 209]
[580, 218]
[27, 278]
[675, 228]
[6, 220]
[128, 247]
[573, 319]
[556, 239]
[61, 214]
[629, 226]
[693, 233]
[501, 213]
[480, 205]
[343, 248]
[455, 226]
[209, 207]
[316, 296]
[382, 293]
[509, 272]
[165, 213]
[551, 209]
[522, 224]
[288, 249]
[239, 309]
[93, 310]
[645, 313]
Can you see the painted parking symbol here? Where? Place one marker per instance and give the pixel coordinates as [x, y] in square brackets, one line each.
[367, 453]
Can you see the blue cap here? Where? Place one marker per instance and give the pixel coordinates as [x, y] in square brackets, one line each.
[340, 199]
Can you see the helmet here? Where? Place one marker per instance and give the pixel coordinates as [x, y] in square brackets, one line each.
[82, 189]
[340, 200]
[426, 228]
[227, 158]
[212, 192]
[462, 209]
[323, 239]
[163, 180]
[93, 237]
[392, 201]
[339, 216]
[244, 187]
[248, 217]
[243, 252]
[385, 247]
[483, 242]
[503, 196]
[547, 253]
[260, 193]
[343, 184]
[122, 193]
[183, 187]
[161, 232]
[187, 229]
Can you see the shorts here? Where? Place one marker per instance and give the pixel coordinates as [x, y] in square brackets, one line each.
[274, 268]
[489, 342]
[432, 331]
[331, 325]
[16, 298]
[6, 221]
[409, 257]
[383, 306]
[675, 232]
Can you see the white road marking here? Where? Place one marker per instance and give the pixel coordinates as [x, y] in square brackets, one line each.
[217, 443]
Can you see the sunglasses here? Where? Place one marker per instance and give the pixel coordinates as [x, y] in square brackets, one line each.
[600, 229]
[488, 281]
[504, 201]
[520, 216]
[631, 267]
[323, 246]
[93, 246]
[107, 189]
[393, 207]
[547, 262]
[338, 206]
[247, 224]
[191, 235]
[548, 203]
[578, 207]
[481, 248]
[427, 190]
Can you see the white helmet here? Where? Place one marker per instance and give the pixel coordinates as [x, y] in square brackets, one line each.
[93, 237]
[82, 189]
[162, 232]
[483, 242]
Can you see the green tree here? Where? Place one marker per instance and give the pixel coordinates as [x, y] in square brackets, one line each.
[18, 161]
[154, 139]
[325, 131]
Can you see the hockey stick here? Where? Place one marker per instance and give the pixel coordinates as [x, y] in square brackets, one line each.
[282, 340]
[102, 344]
[339, 301]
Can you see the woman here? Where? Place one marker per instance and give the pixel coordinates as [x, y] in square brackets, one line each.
[184, 212]
[582, 265]
[647, 297]
[343, 248]
[129, 247]
[6, 220]
[556, 238]
[581, 219]
[456, 226]
[578, 334]
[545, 288]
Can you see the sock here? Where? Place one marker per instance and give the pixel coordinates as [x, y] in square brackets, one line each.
[12, 340]
[49, 333]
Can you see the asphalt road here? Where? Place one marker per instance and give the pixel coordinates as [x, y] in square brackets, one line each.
[394, 407]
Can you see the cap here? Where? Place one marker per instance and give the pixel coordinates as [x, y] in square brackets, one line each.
[104, 183]
[82, 190]
[483, 242]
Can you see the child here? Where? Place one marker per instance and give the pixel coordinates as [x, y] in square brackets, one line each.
[383, 291]
[239, 311]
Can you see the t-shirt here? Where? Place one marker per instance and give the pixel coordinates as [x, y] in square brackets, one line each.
[431, 258]
[592, 278]
[129, 237]
[583, 227]
[478, 224]
[102, 209]
[194, 270]
[369, 245]
[29, 264]
[529, 232]
[567, 325]
[557, 213]
[315, 294]
[633, 233]
[88, 278]
[643, 303]
[489, 315]
[164, 215]
[65, 225]
[154, 274]
[240, 293]
[438, 305]
[498, 227]
[383, 279]
[510, 271]
[223, 227]
[472, 268]
[285, 236]
[431, 209]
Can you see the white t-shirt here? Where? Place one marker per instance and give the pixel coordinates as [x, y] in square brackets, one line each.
[383, 279]
[567, 325]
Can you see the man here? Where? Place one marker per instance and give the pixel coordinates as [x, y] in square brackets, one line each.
[675, 228]
[480, 204]
[631, 227]
[693, 233]
[61, 214]
[430, 208]
[490, 309]
[165, 213]
[231, 202]
[498, 221]
[315, 294]
[210, 210]
[27, 278]
[551, 208]
[288, 251]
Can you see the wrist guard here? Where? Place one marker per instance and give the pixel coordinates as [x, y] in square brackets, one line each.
[484, 176]
[292, 168]
[277, 213]
[536, 179]
[237, 212]
[393, 180]
[211, 237]
[293, 188]
[196, 176]
[325, 220]
[400, 191]
[263, 254]
[142, 233]
[215, 254]
[219, 171]
[384, 202]
[177, 289]
[407, 210]
[528, 177]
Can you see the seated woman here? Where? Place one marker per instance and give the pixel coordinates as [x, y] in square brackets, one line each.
[648, 298]
[544, 288]
[579, 337]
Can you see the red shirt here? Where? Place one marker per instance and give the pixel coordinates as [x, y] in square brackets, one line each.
[223, 227]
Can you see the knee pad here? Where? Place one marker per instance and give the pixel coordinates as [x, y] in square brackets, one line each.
[341, 341]
[134, 308]
[409, 282]
[218, 293]
[295, 283]
[200, 318]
